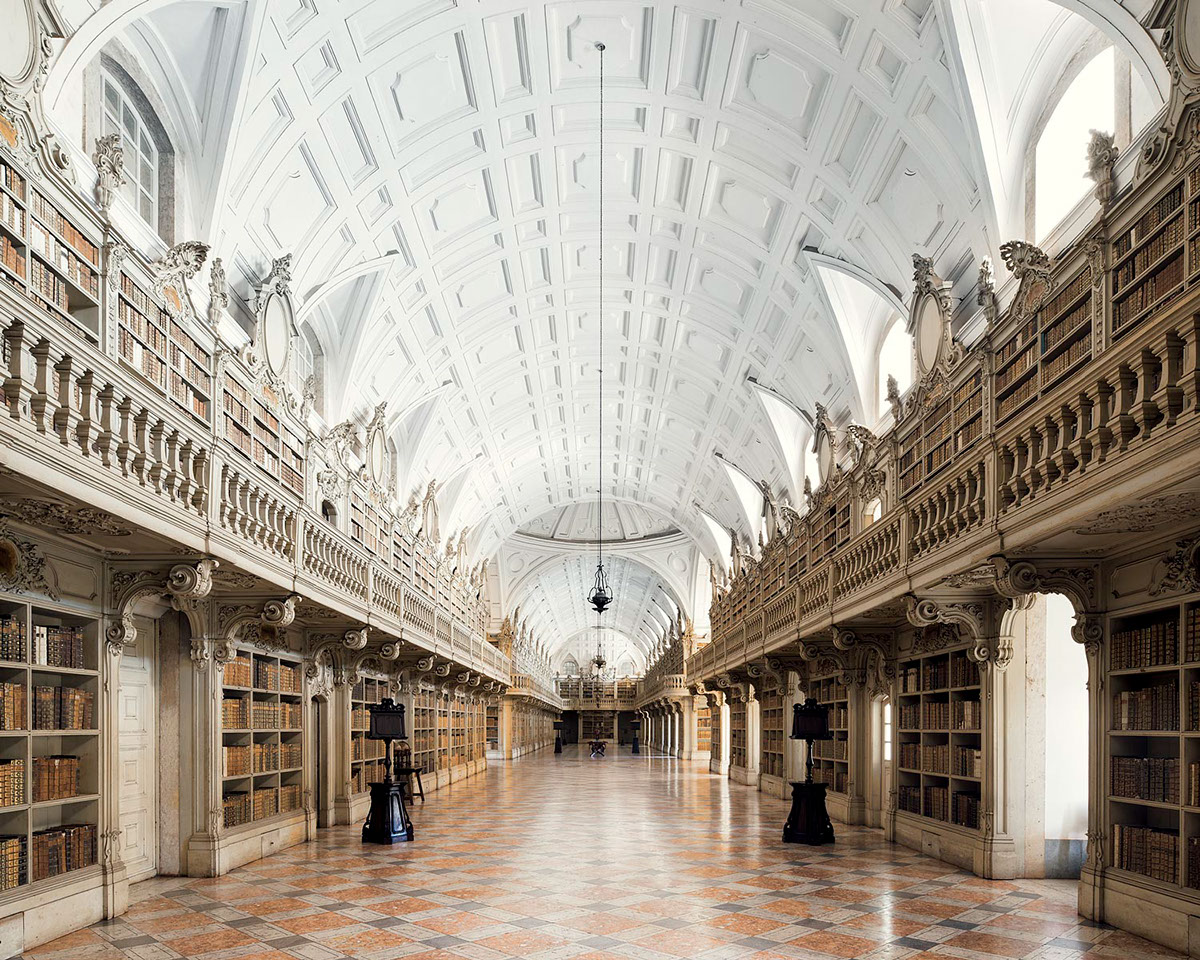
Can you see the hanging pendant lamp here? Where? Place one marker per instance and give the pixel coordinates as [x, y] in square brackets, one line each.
[601, 592]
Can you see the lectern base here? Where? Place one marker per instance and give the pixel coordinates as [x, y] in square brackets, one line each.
[808, 821]
[558, 743]
[388, 822]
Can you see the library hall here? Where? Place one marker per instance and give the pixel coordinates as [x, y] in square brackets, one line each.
[599, 480]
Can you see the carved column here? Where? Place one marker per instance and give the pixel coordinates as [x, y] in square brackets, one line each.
[340, 696]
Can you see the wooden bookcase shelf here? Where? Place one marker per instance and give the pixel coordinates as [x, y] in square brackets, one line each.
[939, 750]
[260, 435]
[1048, 346]
[773, 742]
[953, 424]
[50, 775]
[366, 755]
[830, 759]
[44, 254]
[262, 737]
[161, 350]
[595, 725]
[424, 728]
[492, 727]
[1152, 797]
[737, 733]
[704, 729]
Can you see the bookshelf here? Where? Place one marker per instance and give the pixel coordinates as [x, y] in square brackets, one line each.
[1157, 256]
[259, 435]
[424, 725]
[737, 733]
[830, 758]
[951, 424]
[1153, 733]
[939, 750]
[714, 733]
[44, 254]
[492, 727]
[593, 725]
[49, 742]
[366, 755]
[262, 721]
[158, 347]
[771, 713]
[1049, 346]
[703, 729]
[369, 526]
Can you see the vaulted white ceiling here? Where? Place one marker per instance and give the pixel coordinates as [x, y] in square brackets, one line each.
[433, 167]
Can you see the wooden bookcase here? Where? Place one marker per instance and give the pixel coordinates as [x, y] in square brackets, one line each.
[773, 742]
[424, 726]
[1156, 258]
[161, 350]
[44, 254]
[1153, 730]
[492, 727]
[593, 725]
[939, 753]
[714, 730]
[261, 436]
[1053, 343]
[262, 737]
[953, 424]
[738, 754]
[830, 761]
[703, 729]
[49, 745]
[366, 755]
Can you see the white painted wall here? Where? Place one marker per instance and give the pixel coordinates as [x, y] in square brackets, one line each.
[1066, 725]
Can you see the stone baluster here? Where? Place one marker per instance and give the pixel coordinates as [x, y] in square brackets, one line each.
[17, 384]
[106, 439]
[141, 444]
[1066, 460]
[1007, 464]
[41, 400]
[1051, 434]
[85, 428]
[1125, 423]
[1080, 445]
[1102, 421]
[200, 473]
[125, 451]
[1168, 394]
[186, 484]
[156, 457]
[1020, 485]
[65, 419]
[1036, 478]
[1190, 366]
[1149, 378]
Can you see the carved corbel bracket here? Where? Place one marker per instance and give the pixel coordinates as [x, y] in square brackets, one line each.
[186, 586]
[989, 646]
[1078, 581]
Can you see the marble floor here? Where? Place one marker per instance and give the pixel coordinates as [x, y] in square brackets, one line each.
[625, 857]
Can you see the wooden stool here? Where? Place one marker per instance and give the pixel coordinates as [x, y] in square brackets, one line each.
[405, 774]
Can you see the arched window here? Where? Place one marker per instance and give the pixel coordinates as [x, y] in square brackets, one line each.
[895, 360]
[1060, 159]
[125, 117]
[570, 667]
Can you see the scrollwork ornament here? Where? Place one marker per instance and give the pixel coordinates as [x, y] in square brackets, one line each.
[1179, 570]
[23, 568]
[356, 639]
[192, 580]
[1032, 267]
[109, 159]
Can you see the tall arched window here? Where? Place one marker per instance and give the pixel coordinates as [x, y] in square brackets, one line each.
[124, 117]
[1060, 160]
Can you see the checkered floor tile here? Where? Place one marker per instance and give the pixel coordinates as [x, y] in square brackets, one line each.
[566, 858]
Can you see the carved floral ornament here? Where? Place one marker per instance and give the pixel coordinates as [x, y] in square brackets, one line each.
[171, 273]
[23, 568]
[1032, 268]
[1179, 570]
[186, 586]
[1177, 138]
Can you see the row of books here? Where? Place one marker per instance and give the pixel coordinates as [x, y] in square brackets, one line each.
[832, 777]
[12, 782]
[1191, 633]
[910, 756]
[274, 715]
[237, 760]
[12, 638]
[55, 778]
[1076, 352]
[238, 672]
[291, 755]
[1149, 221]
[11, 256]
[1021, 395]
[12, 862]
[967, 762]
[11, 215]
[266, 756]
[362, 748]
[49, 215]
[1151, 645]
[291, 797]
[12, 180]
[235, 713]
[58, 646]
[1168, 237]
[908, 798]
[1152, 708]
[937, 802]
[966, 810]
[829, 749]
[1149, 851]
[1149, 291]
[65, 260]
[63, 708]
[1145, 778]
[269, 675]
[48, 285]
[62, 849]
[14, 707]
[183, 393]
[935, 757]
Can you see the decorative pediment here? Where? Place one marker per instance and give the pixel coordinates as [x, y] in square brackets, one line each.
[268, 355]
[1177, 138]
[171, 273]
[376, 466]
[825, 446]
[1032, 267]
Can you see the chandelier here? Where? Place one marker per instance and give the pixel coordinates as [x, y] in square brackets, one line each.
[601, 592]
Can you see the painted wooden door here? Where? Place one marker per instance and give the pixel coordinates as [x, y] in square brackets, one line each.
[137, 752]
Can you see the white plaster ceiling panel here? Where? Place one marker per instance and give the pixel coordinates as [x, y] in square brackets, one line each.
[462, 140]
